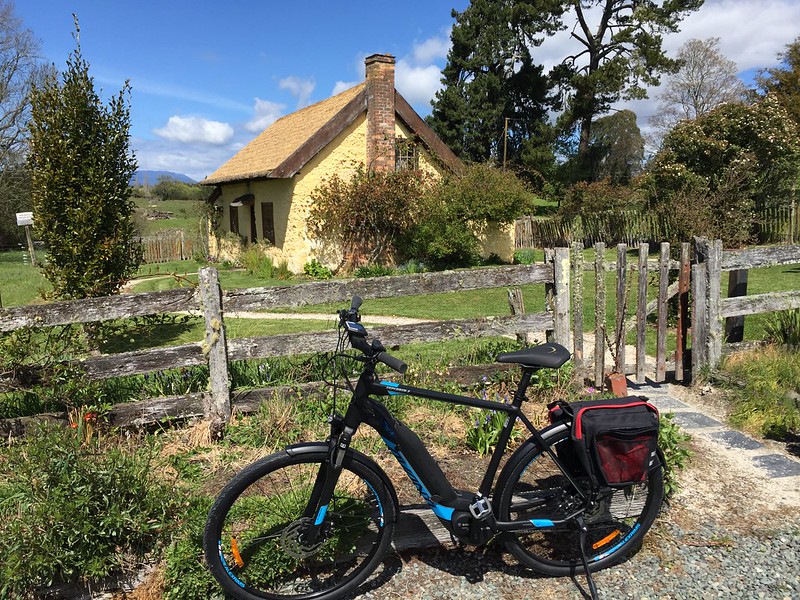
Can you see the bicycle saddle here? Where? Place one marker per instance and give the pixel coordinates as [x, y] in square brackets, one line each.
[550, 356]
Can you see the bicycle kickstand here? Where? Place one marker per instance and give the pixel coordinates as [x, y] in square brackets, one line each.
[583, 531]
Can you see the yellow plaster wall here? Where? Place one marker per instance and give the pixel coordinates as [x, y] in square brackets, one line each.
[292, 199]
[499, 240]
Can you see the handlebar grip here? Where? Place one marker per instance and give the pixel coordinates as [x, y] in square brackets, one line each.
[393, 362]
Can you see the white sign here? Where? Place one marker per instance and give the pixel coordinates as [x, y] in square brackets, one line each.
[24, 218]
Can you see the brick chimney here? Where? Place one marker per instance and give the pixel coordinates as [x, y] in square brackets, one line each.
[380, 112]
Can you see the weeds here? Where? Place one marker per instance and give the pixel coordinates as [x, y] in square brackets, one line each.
[89, 506]
[766, 392]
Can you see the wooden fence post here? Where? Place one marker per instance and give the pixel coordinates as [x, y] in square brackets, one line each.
[737, 286]
[577, 309]
[517, 306]
[661, 335]
[684, 278]
[599, 314]
[641, 312]
[561, 301]
[619, 323]
[699, 316]
[714, 331]
[217, 401]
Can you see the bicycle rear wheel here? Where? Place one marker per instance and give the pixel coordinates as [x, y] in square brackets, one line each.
[533, 488]
[254, 537]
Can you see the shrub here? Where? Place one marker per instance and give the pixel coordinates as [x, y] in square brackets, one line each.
[765, 390]
[459, 208]
[374, 270]
[784, 328]
[256, 261]
[315, 269]
[674, 443]
[73, 510]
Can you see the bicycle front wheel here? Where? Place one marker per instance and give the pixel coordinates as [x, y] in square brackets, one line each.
[533, 488]
[254, 538]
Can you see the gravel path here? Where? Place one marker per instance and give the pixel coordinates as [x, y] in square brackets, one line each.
[733, 531]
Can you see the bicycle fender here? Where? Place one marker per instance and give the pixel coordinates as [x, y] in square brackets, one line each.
[351, 455]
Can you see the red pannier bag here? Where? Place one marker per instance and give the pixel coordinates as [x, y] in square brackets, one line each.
[616, 440]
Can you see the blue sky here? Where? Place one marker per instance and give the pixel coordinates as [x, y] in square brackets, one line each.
[209, 76]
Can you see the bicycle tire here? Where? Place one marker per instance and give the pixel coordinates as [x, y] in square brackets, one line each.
[252, 539]
[616, 524]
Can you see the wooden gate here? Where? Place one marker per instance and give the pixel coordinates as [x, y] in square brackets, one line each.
[624, 334]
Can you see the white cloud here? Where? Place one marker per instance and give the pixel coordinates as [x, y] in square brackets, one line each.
[299, 88]
[341, 86]
[195, 160]
[190, 130]
[432, 50]
[417, 84]
[266, 113]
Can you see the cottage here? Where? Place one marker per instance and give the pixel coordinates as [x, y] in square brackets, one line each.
[264, 191]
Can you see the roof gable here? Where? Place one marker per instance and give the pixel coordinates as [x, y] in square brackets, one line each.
[287, 138]
[281, 150]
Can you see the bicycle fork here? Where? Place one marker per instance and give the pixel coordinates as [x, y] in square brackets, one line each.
[326, 480]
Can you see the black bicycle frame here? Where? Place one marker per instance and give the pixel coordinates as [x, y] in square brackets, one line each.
[421, 468]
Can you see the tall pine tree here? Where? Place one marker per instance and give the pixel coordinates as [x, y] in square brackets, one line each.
[81, 166]
[494, 103]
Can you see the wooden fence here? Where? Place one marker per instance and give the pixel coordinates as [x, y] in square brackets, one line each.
[562, 275]
[716, 320]
[665, 270]
[609, 227]
[217, 351]
[167, 246]
[774, 226]
[780, 225]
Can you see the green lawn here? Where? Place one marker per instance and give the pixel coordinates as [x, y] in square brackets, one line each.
[185, 215]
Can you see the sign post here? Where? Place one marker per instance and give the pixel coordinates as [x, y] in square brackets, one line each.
[26, 219]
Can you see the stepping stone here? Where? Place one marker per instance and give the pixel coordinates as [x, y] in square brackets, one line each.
[778, 465]
[668, 403]
[736, 439]
[695, 420]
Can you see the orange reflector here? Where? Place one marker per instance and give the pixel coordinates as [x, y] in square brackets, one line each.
[602, 542]
[235, 551]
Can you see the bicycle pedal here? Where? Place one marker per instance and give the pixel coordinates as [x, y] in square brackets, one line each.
[480, 508]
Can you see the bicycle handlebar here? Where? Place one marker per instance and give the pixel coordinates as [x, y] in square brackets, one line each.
[349, 318]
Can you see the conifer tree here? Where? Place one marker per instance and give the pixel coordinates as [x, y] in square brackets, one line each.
[81, 165]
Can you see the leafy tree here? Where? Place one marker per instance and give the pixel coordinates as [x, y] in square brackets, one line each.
[366, 218]
[713, 172]
[784, 82]
[81, 165]
[619, 53]
[18, 69]
[616, 151]
[704, 80]
[494, 100]
[460, 208]
[169, 188]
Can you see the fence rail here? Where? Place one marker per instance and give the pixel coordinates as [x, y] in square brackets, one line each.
[216, 351]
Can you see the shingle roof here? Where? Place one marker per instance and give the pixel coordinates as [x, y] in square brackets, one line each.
[288, 137]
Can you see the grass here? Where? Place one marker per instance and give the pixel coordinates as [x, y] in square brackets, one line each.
[20, 282]
[764, 387]
[185, 215]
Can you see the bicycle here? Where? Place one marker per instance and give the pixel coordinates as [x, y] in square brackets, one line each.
[314, 521]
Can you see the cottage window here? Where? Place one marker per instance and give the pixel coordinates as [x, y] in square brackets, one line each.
[234, 218]
[268, 221]
[406, 155]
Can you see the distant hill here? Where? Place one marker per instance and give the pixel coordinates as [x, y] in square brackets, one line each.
[151, 177]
